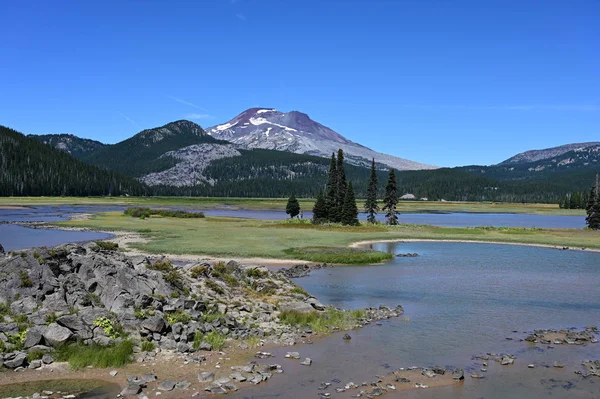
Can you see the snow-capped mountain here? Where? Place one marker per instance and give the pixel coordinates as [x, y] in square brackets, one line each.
[295, 132]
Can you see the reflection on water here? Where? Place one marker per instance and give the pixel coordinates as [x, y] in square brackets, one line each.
[461, 300]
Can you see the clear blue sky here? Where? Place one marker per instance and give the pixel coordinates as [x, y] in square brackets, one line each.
[443, 82]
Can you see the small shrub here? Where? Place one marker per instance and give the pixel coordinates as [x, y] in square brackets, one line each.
[256, 273]
[39, 257]
[209, 317]
[299, 290]
[231, 280]
[112, 330]
[161, 266]
[199, 271]
[174, 278]
[80, 356]
[198, 338]
[143, 213]
[148, 346]
[34, 355]
[25, 280]
[51, 318]
[220, 268]
[107, 245]
[217, 340]
[93, 299]
[179, 317]
[175, 294]
[140, 314]
[215, 287]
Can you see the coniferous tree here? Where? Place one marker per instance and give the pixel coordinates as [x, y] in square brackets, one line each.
[593, 207]
[319, 210]
[371, 202]
[331, 188]
[293, 207]
[340, 190]
[349, 210]
[391, 199]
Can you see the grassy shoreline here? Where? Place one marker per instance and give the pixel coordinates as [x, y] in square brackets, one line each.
[249, 238]
[279, 204]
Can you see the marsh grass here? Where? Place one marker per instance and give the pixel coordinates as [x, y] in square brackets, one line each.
[245, 238]
[215, 339]
[80, 356]
[341, 255]
[323, 322]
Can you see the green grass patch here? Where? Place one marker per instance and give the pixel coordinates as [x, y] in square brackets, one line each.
[107, 245]
[148, 346]
[80, 356]
[323, 322]
[343, 255]
[144, 213]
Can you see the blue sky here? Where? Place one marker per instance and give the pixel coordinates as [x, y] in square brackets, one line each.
[437, 81]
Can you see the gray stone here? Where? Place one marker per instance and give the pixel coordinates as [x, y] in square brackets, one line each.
[506, 360]
[166, 385]
[47, 358]
[205, 346]
[183, 385]
[458, 374]
[316, 304]
[347, 337]
[206, 376]
[238, 377]
[216, 390]
[113, 373]
[35, 364]
[183, 347]
[306, 362]
[32, 338]
[296, 306]
[131, 389]
[428, 373]
[24, 306]
[292, 355]
[558, 365]
[154, 324]
[19, 360]
[55, 335]
[149, 377]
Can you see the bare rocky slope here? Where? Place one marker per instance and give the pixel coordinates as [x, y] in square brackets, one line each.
[192, 161]
[296, 132]
[539, 155]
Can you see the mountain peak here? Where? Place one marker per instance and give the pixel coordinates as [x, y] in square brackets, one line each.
[296, 132]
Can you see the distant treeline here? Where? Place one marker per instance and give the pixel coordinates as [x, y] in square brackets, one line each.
[28, 167]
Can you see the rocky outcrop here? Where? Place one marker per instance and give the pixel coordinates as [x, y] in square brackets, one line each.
[50, 297]
[300, 270]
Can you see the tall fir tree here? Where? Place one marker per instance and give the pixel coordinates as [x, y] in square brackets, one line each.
[371, 206]
[391, 199]
[350, 210]
[593, 207]
[340, 190]
[331, 188]
[293, 207]
[319, 210]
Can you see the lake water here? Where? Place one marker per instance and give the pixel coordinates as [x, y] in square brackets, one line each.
[461, 300]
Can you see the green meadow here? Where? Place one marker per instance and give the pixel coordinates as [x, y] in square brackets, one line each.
[250, 238]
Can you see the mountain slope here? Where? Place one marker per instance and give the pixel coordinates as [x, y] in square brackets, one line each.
[141, 154]
[78, 147]
[29, 167]
[295, 132]
[538, 155]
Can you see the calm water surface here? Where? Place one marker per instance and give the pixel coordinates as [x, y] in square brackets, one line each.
[461, 300]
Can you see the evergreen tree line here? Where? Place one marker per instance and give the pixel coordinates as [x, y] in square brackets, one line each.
[29, 167]
[337, 204]
[576, 200]
[593, 207]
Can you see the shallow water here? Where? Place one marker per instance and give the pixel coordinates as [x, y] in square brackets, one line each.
[15, 237]
[460, 300]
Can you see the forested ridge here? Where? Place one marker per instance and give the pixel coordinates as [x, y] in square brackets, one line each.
[29, 167]
[32, 168]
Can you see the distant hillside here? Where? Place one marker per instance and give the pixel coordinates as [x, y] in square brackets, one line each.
[29, 167]
[141, 154]
[78, 147]
[548, 153]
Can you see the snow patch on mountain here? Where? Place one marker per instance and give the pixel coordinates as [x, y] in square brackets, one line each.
[194, 159]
